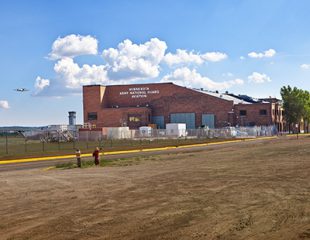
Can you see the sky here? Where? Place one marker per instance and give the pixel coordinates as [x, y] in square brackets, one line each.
[53, 48]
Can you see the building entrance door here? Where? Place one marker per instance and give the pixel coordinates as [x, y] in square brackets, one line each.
[188, 118]
[208, 120]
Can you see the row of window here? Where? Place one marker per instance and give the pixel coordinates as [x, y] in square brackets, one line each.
[93, 115]
[262, 112]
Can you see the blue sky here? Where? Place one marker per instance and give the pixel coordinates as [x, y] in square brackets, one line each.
[54, 47]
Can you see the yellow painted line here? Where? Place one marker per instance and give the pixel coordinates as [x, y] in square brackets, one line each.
[42, 158]
[154, 149]
[171, 147]
[262, 138]
[224, 142]
[126, 151]
[250, 139]
[121, 152]
[194, 145]
[198, 144]
[299, 134]
[36, 159]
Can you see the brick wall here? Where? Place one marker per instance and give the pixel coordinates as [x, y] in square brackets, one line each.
[114, 105]
[92, 100]
[117, 117]
[253, 116]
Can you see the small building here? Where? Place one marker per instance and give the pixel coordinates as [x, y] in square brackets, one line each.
[176, 129]
[145, 131]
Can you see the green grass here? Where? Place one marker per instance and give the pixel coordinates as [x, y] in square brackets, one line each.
[119, 162]
[70, 165]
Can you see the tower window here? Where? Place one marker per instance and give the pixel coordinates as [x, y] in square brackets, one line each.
[263, 112]
[92, 116]
[242, 113]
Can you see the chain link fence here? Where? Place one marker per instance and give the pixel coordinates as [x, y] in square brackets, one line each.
[149, 133]
[17, 143]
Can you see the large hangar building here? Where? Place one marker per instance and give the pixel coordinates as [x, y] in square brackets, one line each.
[139, 105]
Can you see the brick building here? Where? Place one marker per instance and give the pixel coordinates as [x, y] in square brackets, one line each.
[160, 103]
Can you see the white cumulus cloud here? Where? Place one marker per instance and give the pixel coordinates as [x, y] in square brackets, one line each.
[70, 78]
[74, 76]
[124, 64]
[184, 57]
[41, 83]
[266, 54]
[133, 61]
[259, 78]
[305, 66]
[4, 104]
[214, 56]
[74, 45]
[190, 78]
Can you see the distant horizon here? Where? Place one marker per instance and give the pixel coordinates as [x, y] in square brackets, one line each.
[244, 47]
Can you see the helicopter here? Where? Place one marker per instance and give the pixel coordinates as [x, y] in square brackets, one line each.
[21, 89]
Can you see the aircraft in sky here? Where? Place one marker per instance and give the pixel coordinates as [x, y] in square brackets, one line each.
[21, 89]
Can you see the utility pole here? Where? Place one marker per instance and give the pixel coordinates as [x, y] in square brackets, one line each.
[6, 143]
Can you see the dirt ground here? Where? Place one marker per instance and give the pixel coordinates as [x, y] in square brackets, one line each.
[245, 191]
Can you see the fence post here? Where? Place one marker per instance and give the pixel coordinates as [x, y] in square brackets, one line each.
[58, 141]
[25, 145]
[6, 143]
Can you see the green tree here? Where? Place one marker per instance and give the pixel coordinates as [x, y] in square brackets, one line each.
[293, 104]
[305, 98]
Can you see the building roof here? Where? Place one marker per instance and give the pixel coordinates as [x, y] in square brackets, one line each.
[129, 85]
[224, 96]
[237, 99]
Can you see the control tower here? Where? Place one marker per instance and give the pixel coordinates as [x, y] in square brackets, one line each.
[72, 118]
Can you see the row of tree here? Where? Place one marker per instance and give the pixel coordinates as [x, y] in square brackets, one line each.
[296, 104]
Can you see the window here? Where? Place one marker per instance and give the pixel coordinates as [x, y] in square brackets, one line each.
[92, 116]
[242, 113]
[263, 112]
[134, 118]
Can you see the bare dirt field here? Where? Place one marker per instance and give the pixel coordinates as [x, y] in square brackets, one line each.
[246, 191]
